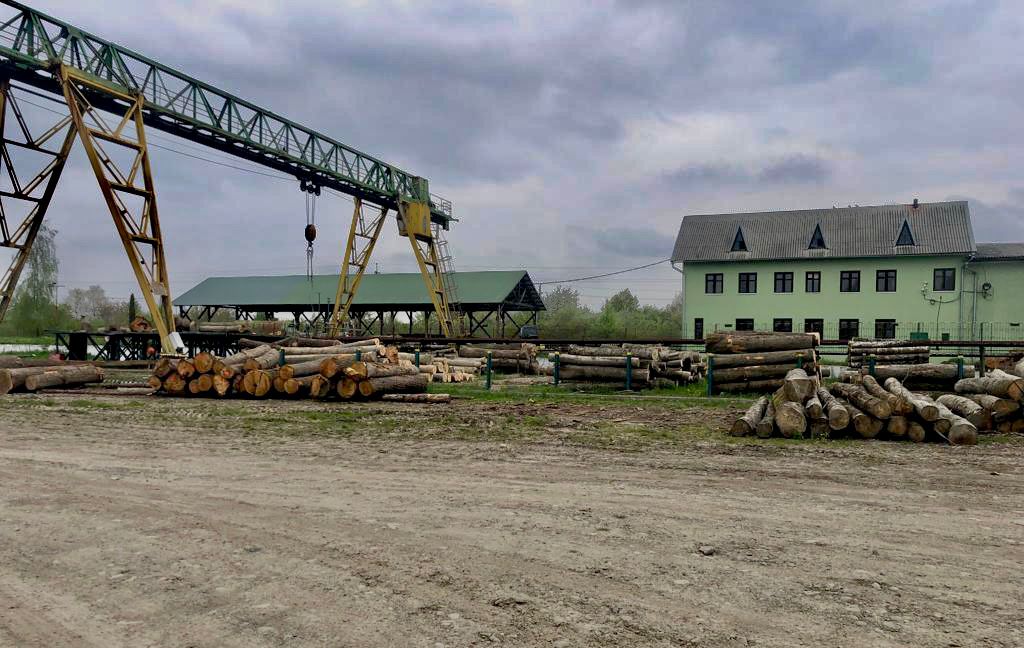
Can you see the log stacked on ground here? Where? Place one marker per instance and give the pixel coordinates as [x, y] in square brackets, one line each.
[507, 358]
[759, 361]
[930, 377]
[887, 352]
[649, 365]
[53, 375]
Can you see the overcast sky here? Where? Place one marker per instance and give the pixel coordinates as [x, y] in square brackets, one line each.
[571, 136]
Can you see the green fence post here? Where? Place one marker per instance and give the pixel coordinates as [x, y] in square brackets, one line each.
[359, 355]
[959, 367]
[800, 362]
[629, 372]
[281, 359]
[872, 360]
[489, 366]
[711, 374]
[981, 360]
[558, 367]
[417, 358]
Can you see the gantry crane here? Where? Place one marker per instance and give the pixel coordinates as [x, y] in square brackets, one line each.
[113, 95]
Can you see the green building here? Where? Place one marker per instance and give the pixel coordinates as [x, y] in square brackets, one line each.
[883, 271]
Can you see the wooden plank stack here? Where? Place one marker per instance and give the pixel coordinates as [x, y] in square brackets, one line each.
[650, 366]
[755, 361]
[887, 352]
[322, 372]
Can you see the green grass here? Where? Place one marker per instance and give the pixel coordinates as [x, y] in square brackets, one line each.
[26, 339]
[686, 396]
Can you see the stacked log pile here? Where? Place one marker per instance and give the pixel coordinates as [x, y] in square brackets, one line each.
[927, 377]
[322, 372]
[867, 409]
[887, 352]
[758, 361]
[650, 366]
[992, 401]
[54, 374]
[512, 357]
[442, 369]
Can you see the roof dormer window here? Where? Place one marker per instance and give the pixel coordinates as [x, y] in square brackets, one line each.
[817, 240]
[738, 243]
[905, 237]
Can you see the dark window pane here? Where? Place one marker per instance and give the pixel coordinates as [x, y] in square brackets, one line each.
[885, 329]
[885, 281]
[748, 282]
[714, 282]
[848, 329]
[744, 325]
[849, 281]
[814, 326]
[905, 237]
[812, 282]
[698, 328]
[782, 325]
[944, 279]
[738, 243]
[817, 240]
[783, 282]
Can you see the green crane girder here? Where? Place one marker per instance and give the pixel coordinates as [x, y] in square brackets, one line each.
[33, 45]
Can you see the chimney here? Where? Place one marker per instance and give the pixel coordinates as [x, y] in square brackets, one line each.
[915, 203]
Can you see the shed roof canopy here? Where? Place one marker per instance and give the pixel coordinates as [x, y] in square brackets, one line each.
[513, 289]
[936, 228]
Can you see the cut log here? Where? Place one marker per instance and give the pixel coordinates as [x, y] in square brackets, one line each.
[814, 409]
[412, 384]
[916, 432]
[968, 409]
[790, 419]
[596, 361]
[331, 367]
[960, 431]
[747, 424]
[1000, 408]
[899, 406]
[857, 395]
[203, 362]
[866, 426]
[932, 374]
[838, 415]
[319, 387]
[154, 382]
[185, 369]
[347, 387]
[1018, 368]
[68, 375]
[613, 374]
[766, 426]
[755, 372]
[164, 367]
[417, 398]
[995, 383]
[201, 384]
[791, 358]
[475, 352]
[295, 386]
[797, 387]
[221, 385]
[361, 370]
[175, 384]
[923, 406]
[753, 342]
[897, 426]
[240, 357]
[908, 350]
[751, 386]
[270, 358]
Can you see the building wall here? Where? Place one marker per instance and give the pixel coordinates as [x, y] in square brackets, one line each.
[914, 305]
[1000, 310]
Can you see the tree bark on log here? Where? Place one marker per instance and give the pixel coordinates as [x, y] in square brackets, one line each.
[897, 426]
[857, 395]
[417, 398]
[916, 432]
[753, 386]
[164, 367]
[1018, 368]
[797, 386]
[815, 410]
[295, 386]
[1000, 408]
[379, 371]
[838, 415]
[996, 383]
[71, 375]
[766, 426]
[790, 419]
[962, 406]
[756, 372]
[754, 342]
[240, 357]
[319, 387]
[899, 406]
[920, 373]
[866, 426]
[961, 431]
[331, 367]
[613, 374]
[747, 424]
[725, 361]
[474, 352]
[923, 406]
[596, 361]
[413, 384]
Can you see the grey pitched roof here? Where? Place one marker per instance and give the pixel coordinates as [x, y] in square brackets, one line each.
[937, 228]
[999, 251]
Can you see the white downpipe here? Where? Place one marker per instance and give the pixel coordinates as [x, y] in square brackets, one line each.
[682, 271]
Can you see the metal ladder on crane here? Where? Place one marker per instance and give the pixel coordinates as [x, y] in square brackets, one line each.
[451, 289]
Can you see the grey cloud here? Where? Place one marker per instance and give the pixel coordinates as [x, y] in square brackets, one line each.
[795, 168]
[997, 222]
[792, 169]
[632, 241]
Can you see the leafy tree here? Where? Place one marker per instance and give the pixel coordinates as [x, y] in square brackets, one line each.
[133, 308]
[622, 302]
[35, 309]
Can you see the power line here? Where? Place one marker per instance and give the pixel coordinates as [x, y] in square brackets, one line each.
[607, 274]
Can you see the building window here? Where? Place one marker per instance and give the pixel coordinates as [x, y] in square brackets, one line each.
[944, 279]
[782, 325]
[849, 281]
[812, 283]
[817, 240]
[744, 324]
[748, 282]
[783, 282]
[814, 326]
[713, 283]
[905, 237]
[698, 328]
[885, 329]
[739, 244]
[885, 281]
[848, 329]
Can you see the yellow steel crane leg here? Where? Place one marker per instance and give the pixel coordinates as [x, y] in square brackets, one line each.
[362, 237]
[35, 191]
[139, 232]
[414, 223]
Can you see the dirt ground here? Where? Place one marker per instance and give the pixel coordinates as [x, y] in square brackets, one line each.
[154, 522]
